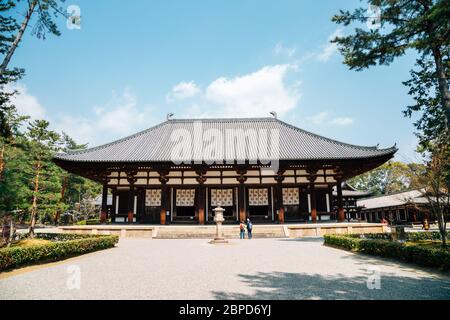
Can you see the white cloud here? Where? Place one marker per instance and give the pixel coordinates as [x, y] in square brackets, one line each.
[183, 90]
[26, 103]
[324, 118]
[342, 121]
[330, 48]
[280, 49]
[319, 118]
[254, 94]
[117, 118]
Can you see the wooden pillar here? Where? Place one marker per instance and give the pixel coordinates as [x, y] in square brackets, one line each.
[165, 198]
[201, 203]
[104, 209]
[131, 204]
[165, 195]
[340, 207]
[114, 205]
[414, 215]
[279, 202]
[279, 195]
[241, 194]
[312, 191]
[241, 202]
[201, 197]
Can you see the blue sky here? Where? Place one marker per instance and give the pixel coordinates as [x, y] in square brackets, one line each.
[129, 65]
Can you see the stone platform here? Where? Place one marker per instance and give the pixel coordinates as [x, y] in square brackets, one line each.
[230, 231]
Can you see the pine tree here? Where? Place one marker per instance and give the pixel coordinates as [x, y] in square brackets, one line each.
[420, 25]
[43, 11]
[42, 144]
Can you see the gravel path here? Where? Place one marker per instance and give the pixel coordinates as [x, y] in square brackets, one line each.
[194, 269]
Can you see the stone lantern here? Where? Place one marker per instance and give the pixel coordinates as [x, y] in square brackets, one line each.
[218, 219]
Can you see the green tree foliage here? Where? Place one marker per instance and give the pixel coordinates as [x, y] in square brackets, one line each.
[8, 30]
[389, 178]
[31, 185]
[28, 155]
[42, 11]
[15, 184]
[41, 143]
[423, 87]
[420, 25]
[74, 189]
[8, 27]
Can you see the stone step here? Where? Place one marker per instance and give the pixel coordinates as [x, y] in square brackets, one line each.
[209, 232]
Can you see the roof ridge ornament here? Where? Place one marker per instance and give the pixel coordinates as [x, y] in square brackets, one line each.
[274, 114]
[169, 116]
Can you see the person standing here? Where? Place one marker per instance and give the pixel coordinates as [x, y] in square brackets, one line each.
[242, 230]
[249, 228]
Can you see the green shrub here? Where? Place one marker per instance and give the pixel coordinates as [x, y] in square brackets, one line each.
[65, 236]
[409, 236]
[93, 221]
[432, 257]
[72, 245]
[418, 236]
[90, 222]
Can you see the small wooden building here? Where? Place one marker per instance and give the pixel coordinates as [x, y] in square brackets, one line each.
[261, 168]
[402, 207]
[350, 199]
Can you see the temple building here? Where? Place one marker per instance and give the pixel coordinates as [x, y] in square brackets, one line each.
[411, 206]
[351, 201]
[258, 168]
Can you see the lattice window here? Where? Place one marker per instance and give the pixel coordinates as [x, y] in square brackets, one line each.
[222, 197]
[258, 197]
[291, 197]
[185, 197]
[153, 198]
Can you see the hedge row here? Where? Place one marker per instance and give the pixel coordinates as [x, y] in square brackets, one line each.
[409, 236]
[88, 222]
[431, 257]
[17, 256]
[418, 236]
[57, 236]
[65, 236]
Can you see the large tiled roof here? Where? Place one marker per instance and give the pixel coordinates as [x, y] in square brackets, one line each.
[155, 144]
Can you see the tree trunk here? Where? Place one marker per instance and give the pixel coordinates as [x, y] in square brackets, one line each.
[442, 81]
[442, 226]
[34, 203]
[19, 35]
[61, 200]
[2, 160]
[12, 231]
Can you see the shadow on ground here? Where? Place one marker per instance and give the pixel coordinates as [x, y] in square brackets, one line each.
[307, 239]
[299, 286]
